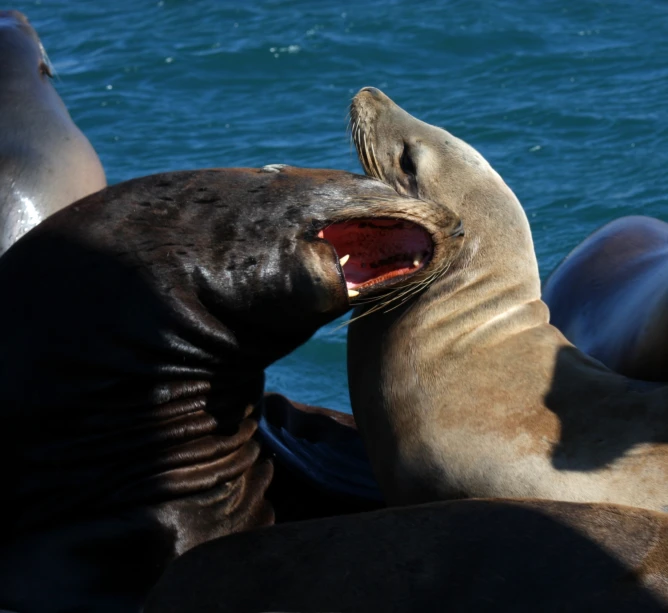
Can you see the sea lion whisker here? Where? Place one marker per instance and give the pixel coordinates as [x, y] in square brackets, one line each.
[368, 160]
[368, 157]
[402, 298]
[414, 287]
[372, 161]
[356, 140]
[381, 176]
[351, 139]
[357, 144]
[373, 309]
[407, 291]
[382, 302]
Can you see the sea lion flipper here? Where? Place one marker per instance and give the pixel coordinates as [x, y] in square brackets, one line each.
[320, 447]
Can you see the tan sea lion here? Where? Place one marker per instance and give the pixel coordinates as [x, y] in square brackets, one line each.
[133, 345]
[610, 297]
[466, 390]
[45, 160]
[466, 555]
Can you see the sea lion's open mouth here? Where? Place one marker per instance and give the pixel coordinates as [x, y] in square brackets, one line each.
[375, 252]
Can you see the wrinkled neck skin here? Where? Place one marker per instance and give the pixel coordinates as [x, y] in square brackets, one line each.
[473, 303]
[117, 379]
[133, 445]
[131, 366]
[467, 391]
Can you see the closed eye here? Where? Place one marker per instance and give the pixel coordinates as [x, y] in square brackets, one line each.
[45, 69]
[406, 162]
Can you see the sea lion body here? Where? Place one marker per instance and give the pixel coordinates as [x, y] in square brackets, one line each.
[610, 297]
[320, 466]
[466, 390]
[46, 162]
[469, 555]
[132, 365]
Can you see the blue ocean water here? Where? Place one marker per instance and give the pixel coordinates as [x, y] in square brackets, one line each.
[567, 100]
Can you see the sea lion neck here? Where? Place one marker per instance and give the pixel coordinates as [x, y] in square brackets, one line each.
[497, 264]
[487, 266]
[137, 383]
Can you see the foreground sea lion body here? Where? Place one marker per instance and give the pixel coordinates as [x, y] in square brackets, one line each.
[132, 359]
[610, 297]
[45, 160]
[466, 390]
[470, 555]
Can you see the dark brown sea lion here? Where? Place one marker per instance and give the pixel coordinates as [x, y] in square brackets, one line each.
[610, 297]
[466, 390]
[132, 359]
[470, 555]
[45, 160]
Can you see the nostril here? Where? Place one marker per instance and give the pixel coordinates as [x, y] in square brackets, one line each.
[376, 93]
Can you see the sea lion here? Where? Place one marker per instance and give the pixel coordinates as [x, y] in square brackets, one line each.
[466, 390]
[132, 361]
[609, 297]
[466, 555]
[320, 465]
[45, 160]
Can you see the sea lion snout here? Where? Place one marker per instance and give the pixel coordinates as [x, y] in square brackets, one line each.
[12, 15]
[374, 92]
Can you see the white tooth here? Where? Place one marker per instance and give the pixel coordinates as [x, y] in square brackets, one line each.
[344, 259]
[417, 260]
[352, 293]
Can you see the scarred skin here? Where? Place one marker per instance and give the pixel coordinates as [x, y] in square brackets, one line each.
[46, 162]
[131, 368]
[609, 297]
[467, 390]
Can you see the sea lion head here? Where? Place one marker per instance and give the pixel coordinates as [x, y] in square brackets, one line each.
[415, 158]
[299, 247]
[270, 254]
[46, 162]
[427, 162]
[24, 56]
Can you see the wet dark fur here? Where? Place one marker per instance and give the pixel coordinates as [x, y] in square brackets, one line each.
[135, 326]
[472, 555]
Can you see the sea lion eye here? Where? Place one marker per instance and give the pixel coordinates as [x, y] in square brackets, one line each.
[45, 69]
[406, 162]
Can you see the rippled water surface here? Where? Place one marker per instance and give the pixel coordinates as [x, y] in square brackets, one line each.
[567, 100]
